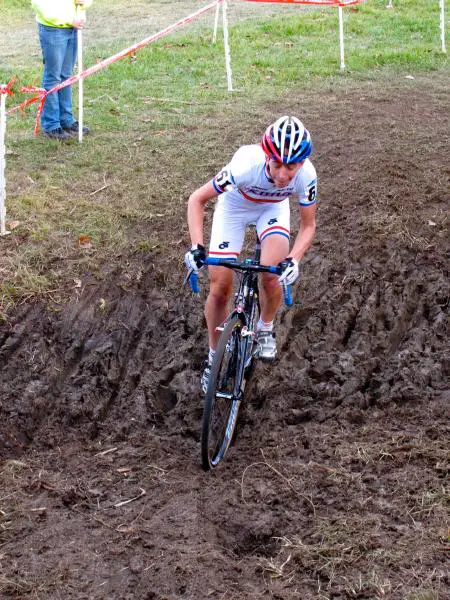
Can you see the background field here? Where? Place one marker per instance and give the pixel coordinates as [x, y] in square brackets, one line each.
[175, 96]
[337, 485]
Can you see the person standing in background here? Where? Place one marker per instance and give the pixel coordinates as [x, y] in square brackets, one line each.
[58, 22]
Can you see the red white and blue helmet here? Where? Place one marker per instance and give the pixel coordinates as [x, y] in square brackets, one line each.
[287, 141]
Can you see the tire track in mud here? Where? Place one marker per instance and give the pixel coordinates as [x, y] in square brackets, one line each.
[370, 303]
[375, 337]
[382, 347]
[119, 361]
[105, 362]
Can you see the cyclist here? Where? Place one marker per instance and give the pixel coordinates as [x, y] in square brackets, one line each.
[254, 188]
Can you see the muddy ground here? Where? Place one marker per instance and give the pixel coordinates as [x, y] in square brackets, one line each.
[336, 486]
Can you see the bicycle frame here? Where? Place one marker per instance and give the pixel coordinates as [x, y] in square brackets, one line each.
[245, 310]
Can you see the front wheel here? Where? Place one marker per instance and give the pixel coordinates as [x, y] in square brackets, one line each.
[222, 397]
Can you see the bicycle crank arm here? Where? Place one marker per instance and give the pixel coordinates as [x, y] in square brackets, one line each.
[247, 333]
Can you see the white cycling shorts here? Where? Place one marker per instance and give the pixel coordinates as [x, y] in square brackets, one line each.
[233, 214]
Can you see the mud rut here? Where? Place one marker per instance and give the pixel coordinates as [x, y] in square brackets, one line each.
[335, 487]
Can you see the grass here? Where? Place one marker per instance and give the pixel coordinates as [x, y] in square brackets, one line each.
[158, 119]
[356, 554]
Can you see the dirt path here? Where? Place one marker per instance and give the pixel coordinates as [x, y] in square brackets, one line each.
[336, 485]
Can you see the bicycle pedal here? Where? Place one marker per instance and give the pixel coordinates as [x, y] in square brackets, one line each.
[247, 332]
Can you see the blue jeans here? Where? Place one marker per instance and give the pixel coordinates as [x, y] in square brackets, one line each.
[59, 51]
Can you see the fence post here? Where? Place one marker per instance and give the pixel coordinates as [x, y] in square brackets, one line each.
[444, 49]
[227, 46]
[341, 36]
[3, 94]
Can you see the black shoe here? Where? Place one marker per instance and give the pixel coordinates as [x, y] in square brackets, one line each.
[75, 127]
[57, 134]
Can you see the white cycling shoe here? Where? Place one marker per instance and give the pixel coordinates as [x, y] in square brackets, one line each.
[205, 376]
[266, 345]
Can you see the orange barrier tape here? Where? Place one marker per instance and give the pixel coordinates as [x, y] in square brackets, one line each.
[6, 89]
[41, 96]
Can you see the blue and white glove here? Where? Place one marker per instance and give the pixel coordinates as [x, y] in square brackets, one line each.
[195, 258]
[290, 271]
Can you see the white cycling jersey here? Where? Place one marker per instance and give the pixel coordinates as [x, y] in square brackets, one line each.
[247, 176]
[248, 195]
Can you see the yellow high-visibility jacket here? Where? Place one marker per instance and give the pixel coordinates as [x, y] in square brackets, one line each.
[58, 13]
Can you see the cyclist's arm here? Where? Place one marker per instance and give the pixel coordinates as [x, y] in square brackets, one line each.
[196, 211]
[306, 232]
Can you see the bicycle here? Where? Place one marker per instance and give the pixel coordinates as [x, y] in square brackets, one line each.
[234, 358]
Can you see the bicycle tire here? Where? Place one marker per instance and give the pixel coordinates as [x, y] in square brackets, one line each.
[221, 404]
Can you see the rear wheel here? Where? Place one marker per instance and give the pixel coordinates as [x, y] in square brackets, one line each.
[222, 397]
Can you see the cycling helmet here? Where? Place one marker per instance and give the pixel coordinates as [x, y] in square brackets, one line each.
[287, 140]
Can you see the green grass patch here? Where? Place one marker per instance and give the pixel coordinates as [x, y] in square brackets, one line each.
[14, 12]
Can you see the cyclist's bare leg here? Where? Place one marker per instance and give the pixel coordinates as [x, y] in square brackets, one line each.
[273, 249]
[216, 307]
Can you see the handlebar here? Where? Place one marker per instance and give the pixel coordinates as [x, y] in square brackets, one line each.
[192, 276]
